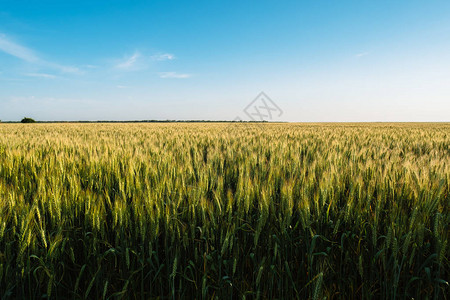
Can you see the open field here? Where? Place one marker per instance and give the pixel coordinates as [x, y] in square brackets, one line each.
[224, 211]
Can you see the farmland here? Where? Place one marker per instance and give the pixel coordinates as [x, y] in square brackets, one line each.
[224, 211]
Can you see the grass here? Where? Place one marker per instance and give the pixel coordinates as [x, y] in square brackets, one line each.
[224, 211]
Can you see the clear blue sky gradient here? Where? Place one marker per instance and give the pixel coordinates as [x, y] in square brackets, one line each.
[318, 60]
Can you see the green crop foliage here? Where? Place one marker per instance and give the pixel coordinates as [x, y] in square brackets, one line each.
[224, 211]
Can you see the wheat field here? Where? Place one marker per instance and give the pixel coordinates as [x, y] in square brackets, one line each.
[224, 211]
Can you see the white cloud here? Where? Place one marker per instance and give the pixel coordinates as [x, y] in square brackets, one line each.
[165, 56]
[62, 68]
[361, 54]
[17, 50]
[122, 86]
[129, 62]
[174, 75]
[28, 55]
[41, 75]
[68, 69]
[138, 61]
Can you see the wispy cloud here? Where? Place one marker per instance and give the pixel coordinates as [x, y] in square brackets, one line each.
[130, 62]
[174, 75]
[164, 56]
[90, 66]
[41, 75]
[122, 86]
[66, 69]
[138, 61]
[361, 54]
[19, 51]
[13, 48]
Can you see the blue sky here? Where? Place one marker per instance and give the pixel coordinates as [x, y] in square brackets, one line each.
[317, 60]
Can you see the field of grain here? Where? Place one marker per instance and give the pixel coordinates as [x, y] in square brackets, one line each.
[224, 211]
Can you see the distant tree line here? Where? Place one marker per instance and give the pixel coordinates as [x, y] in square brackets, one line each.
[28, 120]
